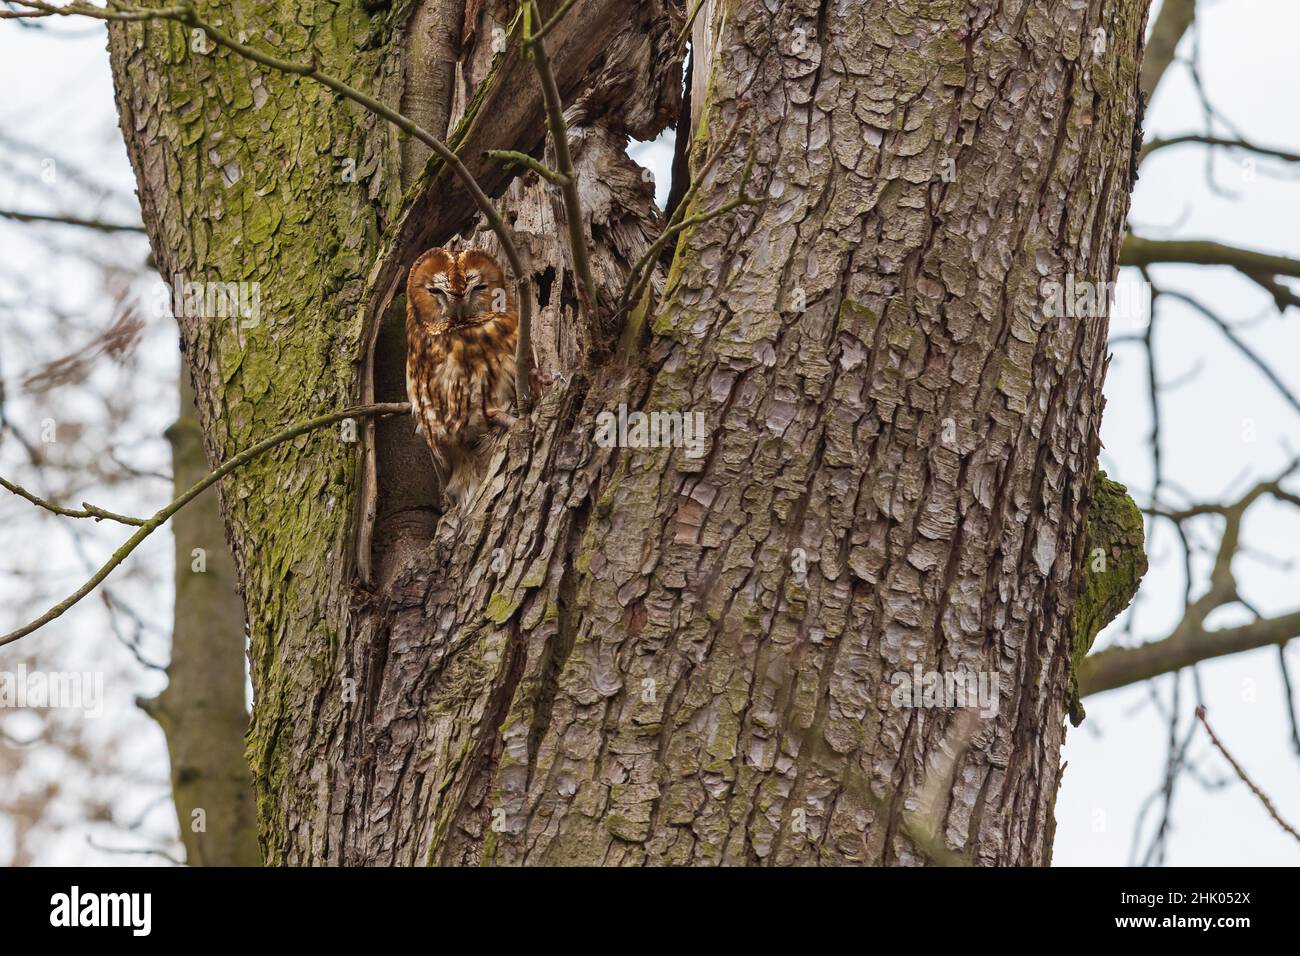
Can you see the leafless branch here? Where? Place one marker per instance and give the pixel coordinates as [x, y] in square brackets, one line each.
[1245, 778]
[536, 47]
[1205, 139]
[1248, 353]
[87, 510]
[95, 224]
[135, 851]
[523, 159]
[639, 277]
[1172, 22]
[1290, 697]
[160, 517]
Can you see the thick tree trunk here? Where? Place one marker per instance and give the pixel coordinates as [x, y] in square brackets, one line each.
[630, 656]
[202, 710]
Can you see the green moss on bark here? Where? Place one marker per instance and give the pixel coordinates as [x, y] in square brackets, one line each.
[1112, 569]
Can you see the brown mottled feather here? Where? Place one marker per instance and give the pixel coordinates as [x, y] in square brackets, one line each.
[461, 329]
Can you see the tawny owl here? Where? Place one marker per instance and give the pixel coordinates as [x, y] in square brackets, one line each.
[461, 329]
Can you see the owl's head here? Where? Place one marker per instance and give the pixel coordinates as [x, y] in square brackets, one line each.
[445, 290]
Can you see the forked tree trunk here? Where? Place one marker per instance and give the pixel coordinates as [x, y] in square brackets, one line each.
[635, 655]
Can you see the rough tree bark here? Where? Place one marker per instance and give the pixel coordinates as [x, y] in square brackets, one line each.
[631, 656]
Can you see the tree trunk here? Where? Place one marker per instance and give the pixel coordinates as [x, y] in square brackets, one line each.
[637, 655]
[202, 711]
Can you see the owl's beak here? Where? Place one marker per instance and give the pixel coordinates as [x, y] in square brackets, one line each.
[457, 307]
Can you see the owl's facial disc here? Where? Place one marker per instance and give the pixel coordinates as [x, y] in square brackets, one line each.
[450, 291]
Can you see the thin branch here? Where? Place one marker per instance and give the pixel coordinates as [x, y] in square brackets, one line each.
[523, 159]
[1283, 297]
[642, 271]
[1127, 338]
[1175, 761]
[1268, 805]
[1208, 111]
[685, 33]
[159, 518]
[1186, 378]
[1245, 350]
[1153, 386]
[135, 851]
[1219, 141]
[121, 14]
[556, 17]
[1290, 697]
[132, 643]
[534, 44]
[698, 219]
[1137, 251]
[1172, 22]
[95, 224]
[21, 15]
[87, 510]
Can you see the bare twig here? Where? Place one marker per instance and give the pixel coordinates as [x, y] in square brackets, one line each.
[135, 851]
[1217, 141]
[556, 17]
[672, 231]
[1153, 387]
[123, 14]
[685, 33]
[1290, 697]
[1268, 805]
[87, 510]
[1175, 762]
[533, 43]
[1208, 110]
[22, 15]
[154, 522]
[1283, 297]
[1174, 19]
[639, 277]
[95, 224]
[523, 159]
[131, 642]
[1287, 395]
